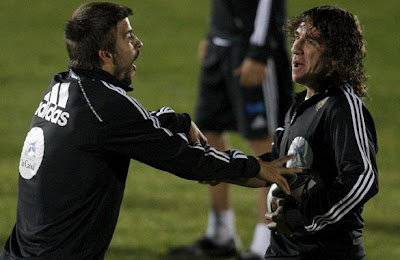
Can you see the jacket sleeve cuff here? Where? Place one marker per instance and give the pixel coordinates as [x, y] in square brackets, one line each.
[258, 53]
[184, 122]
[267, 157]
[253, 167]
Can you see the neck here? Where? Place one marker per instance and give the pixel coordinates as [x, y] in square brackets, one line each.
[108, 68]
[311, 91]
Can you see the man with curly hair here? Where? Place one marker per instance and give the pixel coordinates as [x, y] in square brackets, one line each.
[332, 133]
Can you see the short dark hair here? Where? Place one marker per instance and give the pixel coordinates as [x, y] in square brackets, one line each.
[93, 27]
[341, 32]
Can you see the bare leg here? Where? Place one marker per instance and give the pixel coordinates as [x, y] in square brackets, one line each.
[221, 226]
[220, 199]
[259, 147]
[261, 233]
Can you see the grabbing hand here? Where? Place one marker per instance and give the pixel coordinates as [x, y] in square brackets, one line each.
[195, 135]
[277, 219]
[286, 219]
[272, 172]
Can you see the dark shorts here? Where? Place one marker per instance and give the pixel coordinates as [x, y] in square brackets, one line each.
[224, 105]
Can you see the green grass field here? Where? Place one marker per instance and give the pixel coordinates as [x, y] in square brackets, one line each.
[160, 210]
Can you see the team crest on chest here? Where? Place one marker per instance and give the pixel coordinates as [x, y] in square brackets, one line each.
[303, 153]
[32, 153]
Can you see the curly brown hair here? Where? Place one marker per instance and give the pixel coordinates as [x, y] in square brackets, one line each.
[341, 32]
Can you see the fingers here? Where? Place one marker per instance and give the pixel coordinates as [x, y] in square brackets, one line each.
[272, 226]
[277, 223]
[283, 184]
[292, 170]
[271, 172]
[284, 159]
[278, 214]
[195, 135]
[203, 139]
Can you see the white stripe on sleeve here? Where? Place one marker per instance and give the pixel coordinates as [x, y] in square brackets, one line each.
[143, 112]
[261, 23]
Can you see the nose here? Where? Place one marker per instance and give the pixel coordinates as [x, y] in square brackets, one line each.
[138, 43]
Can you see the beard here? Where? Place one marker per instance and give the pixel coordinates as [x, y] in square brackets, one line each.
[123, 74]
[123, 70]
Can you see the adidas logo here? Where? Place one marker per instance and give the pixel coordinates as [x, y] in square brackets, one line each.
[51, 108]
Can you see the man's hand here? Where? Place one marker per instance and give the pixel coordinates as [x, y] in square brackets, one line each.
[252, 73]
[286, 219]
[277, 219]
[272, 172]
[195, 135]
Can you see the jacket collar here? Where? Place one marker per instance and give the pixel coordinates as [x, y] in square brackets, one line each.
[300, 97]
[99, 74]
[300, 104]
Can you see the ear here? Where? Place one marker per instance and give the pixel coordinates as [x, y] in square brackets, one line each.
[106, 57]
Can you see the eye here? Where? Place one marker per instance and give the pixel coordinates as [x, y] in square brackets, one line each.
[313, 41]
[130, 36]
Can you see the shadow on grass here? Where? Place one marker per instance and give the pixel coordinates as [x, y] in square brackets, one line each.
[119, 252]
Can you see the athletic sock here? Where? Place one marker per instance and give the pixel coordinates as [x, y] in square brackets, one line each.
[221, 227]
[261, 239]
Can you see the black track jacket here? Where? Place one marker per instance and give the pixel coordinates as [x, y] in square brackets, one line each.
[333, 134]
[75, 160]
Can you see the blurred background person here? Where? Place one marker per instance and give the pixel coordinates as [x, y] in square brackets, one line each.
[245, 86]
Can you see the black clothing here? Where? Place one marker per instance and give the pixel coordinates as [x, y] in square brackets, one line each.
[333, 134]
[239, 30]
[254, 22]
[75, 162]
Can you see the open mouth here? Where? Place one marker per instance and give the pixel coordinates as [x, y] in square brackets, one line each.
[134, 59]
[296, 65]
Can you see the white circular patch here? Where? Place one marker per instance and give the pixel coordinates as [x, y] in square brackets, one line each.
[32, 153]
[303, 153]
